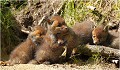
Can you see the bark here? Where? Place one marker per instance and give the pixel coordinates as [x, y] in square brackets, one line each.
[103, 50]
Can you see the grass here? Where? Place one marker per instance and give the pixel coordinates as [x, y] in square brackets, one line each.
[77, 11]
[74, 13]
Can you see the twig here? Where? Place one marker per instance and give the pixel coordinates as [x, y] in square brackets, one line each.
[58, 10]
[25, 31]
[41, 20]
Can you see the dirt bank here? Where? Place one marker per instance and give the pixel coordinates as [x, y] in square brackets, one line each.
[60, 67]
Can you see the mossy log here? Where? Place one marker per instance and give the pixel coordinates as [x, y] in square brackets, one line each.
[103, 50]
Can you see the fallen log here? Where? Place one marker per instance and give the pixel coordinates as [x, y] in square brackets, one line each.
[103, 50]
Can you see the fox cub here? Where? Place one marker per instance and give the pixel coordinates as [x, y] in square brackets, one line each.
[101, 35]
[25, 51]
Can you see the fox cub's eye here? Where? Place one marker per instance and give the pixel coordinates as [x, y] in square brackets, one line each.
[40, 34]
[59, 25]
[32, 37]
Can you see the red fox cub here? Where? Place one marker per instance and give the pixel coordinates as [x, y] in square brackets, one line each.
[100, 35]
[84, 31]
[103, 36]
[49, 51]
[58, 35]
[25, 51]
[65, 33]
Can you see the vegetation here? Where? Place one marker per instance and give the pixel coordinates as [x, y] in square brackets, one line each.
[9, 28]
[77, 11]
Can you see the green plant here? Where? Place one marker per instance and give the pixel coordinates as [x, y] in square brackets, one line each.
[73, 13]
[95, 58]
[77, 11]
[9, 33]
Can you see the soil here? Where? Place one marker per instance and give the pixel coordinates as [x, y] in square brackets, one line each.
[60, 67]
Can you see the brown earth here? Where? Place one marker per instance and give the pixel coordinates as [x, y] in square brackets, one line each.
[60, 67]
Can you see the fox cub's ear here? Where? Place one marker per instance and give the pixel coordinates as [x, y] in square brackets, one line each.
[106, 28]
[49, 21]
